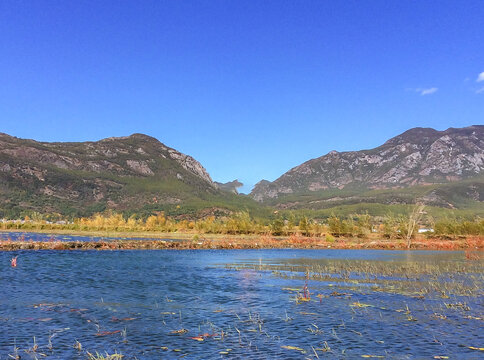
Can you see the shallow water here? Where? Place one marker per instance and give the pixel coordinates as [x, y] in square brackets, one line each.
[33, 236]
[239, 304]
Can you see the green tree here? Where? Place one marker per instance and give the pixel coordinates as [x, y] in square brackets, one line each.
[277, 226]
[304, 226]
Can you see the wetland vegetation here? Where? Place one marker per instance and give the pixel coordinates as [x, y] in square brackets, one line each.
[250, 304]
[290, 224]
[286, 292]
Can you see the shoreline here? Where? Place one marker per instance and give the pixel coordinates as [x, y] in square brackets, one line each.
[139, 234]
[194, 241]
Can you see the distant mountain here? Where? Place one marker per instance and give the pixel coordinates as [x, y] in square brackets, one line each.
[230, 186]
[418, 157]
[118, 173]
[139, 174]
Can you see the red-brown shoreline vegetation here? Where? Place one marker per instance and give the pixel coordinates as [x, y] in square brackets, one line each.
[468, 243]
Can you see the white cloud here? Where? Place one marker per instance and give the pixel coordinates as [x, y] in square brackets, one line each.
[428, 91]
[480, 77]
[478, 91]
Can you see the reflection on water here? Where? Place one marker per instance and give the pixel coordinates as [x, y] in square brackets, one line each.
[241, 304]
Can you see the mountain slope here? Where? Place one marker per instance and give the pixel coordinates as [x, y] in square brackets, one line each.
[119, 173]
[419, 156]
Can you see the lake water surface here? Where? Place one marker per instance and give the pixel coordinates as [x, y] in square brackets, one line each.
[241, 304]
[33, 236]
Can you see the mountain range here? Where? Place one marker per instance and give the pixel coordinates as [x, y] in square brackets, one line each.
[140, 174]
[120, 173]
[420, 158]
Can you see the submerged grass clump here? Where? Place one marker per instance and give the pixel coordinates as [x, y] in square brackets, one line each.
[105, 356]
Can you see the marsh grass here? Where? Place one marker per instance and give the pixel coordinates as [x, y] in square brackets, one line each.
[412, 278]
[105, 356]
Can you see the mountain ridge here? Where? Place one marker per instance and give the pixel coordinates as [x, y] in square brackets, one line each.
[418, 156]
[139, 174]
[117, 172]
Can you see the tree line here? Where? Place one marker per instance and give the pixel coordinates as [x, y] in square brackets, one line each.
[242, 223]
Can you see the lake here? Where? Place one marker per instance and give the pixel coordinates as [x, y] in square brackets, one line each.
[33, 236]
[241, 304]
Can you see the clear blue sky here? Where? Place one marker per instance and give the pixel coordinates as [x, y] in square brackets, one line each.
[249, 88]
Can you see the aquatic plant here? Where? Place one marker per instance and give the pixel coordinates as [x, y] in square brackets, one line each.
[306, 294]
[106, 356]
[78, 346]
[15, 355]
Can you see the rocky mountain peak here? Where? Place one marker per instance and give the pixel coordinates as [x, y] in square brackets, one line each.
[103, 170]
[416, 135]
[415, 157]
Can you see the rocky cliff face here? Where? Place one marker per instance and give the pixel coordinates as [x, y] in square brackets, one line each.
[120, 172]
[136, 155]
[417, 157]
